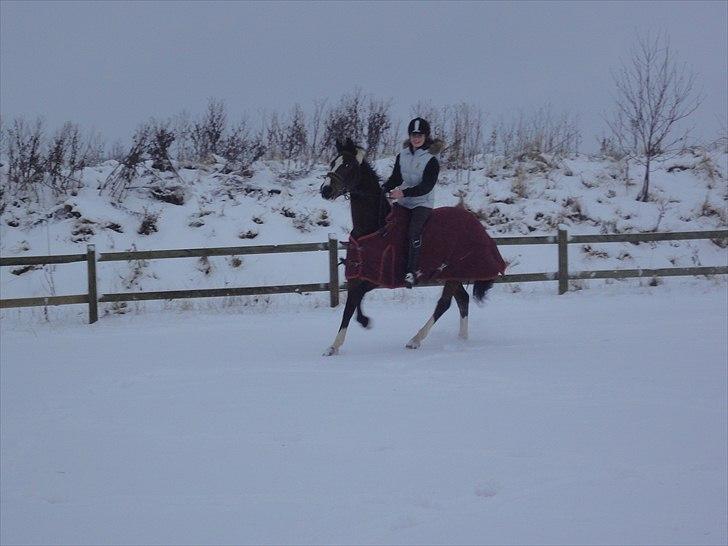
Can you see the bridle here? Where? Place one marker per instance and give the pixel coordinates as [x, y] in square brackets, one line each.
[348, 193]
[333, 176]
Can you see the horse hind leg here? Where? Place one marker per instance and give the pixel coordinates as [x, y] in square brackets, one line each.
[361, 318]
[443, 304]
[463, 300]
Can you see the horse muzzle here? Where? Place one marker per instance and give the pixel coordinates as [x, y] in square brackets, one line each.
[327, 192]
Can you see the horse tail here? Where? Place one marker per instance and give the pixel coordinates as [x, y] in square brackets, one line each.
[480, 288]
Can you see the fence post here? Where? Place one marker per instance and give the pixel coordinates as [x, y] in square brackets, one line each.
[93, 304]
[334, 269]
[563, 241]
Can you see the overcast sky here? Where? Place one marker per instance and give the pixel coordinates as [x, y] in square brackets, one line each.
[111, 65]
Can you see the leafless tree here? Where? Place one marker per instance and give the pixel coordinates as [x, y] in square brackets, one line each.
[653, 93]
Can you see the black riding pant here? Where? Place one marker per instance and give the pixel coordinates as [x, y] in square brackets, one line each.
[418, 218]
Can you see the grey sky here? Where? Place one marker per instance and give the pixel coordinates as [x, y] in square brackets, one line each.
[112, 65]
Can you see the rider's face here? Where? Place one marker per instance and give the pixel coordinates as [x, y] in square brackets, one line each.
[416, 139]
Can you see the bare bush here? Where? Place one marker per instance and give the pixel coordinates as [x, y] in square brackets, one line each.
[65, 159]
[316, 149]
[288, 142]
[346, 120]
[241, 149]
[122, 177]
[538, 133]
[25, 155]
[182, 147]
[464, 136]
[160, 138]
[378, 122]
[207, 133]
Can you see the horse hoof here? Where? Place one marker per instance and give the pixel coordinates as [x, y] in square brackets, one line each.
[331, 351]
[413, 344]
[365, 322]
[464, 337]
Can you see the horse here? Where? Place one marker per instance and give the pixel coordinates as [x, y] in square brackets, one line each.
[350, 175]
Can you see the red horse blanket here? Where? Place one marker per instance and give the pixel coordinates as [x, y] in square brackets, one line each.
[455, 246]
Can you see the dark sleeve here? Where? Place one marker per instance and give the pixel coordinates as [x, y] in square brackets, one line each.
[429, 178]
[396, 178]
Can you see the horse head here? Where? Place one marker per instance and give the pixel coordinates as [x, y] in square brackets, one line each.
[345, 170]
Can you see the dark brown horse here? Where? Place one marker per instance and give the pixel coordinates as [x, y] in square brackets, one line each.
[351, 175]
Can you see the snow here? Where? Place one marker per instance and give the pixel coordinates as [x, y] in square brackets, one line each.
[596, 417]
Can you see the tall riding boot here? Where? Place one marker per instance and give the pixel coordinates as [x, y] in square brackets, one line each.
[413, 260]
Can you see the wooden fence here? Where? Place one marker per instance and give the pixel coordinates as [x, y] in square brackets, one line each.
[333, 286]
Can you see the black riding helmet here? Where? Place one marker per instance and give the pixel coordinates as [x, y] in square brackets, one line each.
[419, 125]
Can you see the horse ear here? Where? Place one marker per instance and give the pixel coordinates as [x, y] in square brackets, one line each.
[339, 146]
[350, 144]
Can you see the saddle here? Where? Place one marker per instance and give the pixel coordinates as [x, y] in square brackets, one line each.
[455, 246]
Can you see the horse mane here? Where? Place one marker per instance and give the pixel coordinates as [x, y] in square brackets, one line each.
[368, 171]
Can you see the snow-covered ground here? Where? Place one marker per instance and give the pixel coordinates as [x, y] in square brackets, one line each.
[597, 417]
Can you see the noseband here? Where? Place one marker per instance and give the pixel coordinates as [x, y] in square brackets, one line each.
[336, 177]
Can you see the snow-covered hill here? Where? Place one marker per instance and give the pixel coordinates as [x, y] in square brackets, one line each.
[588, 195]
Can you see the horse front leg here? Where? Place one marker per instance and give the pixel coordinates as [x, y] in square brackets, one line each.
[354, 295]
[443, 304]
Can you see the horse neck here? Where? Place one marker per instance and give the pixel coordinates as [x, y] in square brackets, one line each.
[369, 206]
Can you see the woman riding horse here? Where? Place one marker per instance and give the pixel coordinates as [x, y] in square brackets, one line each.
[458, 247]
[412, 185]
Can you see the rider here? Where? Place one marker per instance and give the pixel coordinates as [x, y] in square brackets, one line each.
[412, 185]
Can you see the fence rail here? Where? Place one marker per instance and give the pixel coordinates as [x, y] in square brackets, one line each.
[333, 286]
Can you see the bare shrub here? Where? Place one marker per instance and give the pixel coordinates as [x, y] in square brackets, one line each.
[288, 142]
[149, 223]
[207, 133]
[378, 122]
[161, 137]
[464, 136]
[65, 160]
[538, 133]
[26, 165]
[315, 130]
[346, 119]
[518, 183]
[241, 148]
[122, 177]
[182, 148]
